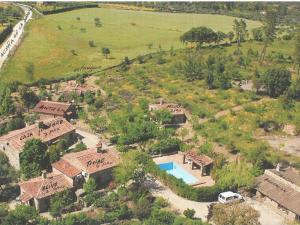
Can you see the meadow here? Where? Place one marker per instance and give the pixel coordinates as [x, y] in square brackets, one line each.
[56, 45]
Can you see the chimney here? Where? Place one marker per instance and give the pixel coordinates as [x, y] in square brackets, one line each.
[44, 174]
[278, 167]
[47, 99]
[99, 147]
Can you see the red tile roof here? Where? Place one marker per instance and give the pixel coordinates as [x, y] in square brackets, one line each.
[91, 161]
[66, 168]
[40, 187]
[199, 159]
[52, 108]
[47, 130]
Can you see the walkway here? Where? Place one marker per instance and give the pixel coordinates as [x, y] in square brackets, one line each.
[14, 39]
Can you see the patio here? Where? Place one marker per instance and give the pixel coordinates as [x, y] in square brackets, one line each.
[197, 173]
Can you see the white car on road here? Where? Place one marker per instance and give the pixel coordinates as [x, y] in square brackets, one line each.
[229, 197]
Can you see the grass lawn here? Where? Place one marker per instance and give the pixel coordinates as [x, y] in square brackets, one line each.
[126, 33]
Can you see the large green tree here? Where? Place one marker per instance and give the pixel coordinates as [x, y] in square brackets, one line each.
[34, 158]
[276, 81]
[199, 36]
[240, 30]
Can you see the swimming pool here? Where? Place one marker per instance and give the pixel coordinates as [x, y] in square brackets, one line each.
[178, 172]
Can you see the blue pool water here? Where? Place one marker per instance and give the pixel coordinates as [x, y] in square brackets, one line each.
[178, 172]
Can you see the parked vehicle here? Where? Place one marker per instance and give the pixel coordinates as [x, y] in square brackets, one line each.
[229, 197]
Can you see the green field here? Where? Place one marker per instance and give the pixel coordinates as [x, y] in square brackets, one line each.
[126, 33]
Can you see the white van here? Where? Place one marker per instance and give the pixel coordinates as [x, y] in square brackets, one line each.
[229, 197]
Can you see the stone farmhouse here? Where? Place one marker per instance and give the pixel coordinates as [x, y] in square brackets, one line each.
[70, 172]
[280, 189]
[50, 109]
[48, 131]
[176, 110]
[79, 89]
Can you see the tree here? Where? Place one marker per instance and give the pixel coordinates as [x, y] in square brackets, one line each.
[97, 22]
[34, 158]
[7, 174]
[142, 208]
[89, 188]
[230, 36]
[130, 169]
[257, 34]
[269, 30]
[199, 35]
[60, 201]
[193, 69]
[6, 104]
[234, 214]
[29, 98]
[240, 29]
[92, 43]
[297, 50]
[105, 52]
[98, 123]
[21, 215]
[276, 81]
[219, 37]
[189, 213]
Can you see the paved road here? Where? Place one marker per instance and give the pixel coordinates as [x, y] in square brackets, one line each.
[16, 35]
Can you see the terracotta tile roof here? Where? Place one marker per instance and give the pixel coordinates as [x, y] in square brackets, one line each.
[66, 168]
[199, 159]
[47, 130]
[279, 192]
[91, 161]
[175, 109]
[40, 187]
[53, 108]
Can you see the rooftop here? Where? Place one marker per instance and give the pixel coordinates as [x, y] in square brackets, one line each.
[53, 108]
[41, 187]
[171, 107]
[91, 161]
[66, 168]
[199, 159]
[71, 86]
[46, 130]
[279, 191]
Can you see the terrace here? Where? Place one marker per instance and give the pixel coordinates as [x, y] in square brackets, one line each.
[179, 160]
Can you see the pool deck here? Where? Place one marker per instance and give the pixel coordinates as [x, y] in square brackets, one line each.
[203, 180]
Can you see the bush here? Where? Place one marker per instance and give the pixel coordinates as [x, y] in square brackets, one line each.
[60, 10]
[189, 213]
[165, 146]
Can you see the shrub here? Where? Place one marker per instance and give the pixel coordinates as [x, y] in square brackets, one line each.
[165, 146]
[189, 213]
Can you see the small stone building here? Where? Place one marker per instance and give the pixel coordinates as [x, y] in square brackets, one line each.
[176, 110]
[96, 162]
[48, 131]
[70, 172]
[280, 189]
[50, 109]
[202, 162]
[37, 192]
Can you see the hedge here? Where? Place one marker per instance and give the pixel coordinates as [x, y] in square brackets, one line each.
[5, 33]
[201, 194]
[54, 11]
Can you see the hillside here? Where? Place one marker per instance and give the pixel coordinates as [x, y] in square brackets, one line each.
[56, 45]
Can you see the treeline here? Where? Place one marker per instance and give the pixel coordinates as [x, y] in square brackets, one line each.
[288, 11]
[70, 8]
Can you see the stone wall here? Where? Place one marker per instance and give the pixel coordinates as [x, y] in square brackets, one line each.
[12, 155]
